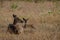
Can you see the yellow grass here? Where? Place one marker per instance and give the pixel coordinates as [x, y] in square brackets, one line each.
[45, 18]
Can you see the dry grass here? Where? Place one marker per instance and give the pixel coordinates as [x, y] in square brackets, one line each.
[44, 16]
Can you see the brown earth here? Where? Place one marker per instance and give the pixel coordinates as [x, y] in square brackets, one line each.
[45, 16]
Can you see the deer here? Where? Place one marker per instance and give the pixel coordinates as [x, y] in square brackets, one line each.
[15, 27]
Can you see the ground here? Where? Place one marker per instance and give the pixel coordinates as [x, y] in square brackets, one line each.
[45, 17]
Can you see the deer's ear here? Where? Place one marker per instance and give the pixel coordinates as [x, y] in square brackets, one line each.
[24, 19]
[14, 15]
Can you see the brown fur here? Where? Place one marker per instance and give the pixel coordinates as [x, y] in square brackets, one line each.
[15, 27]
